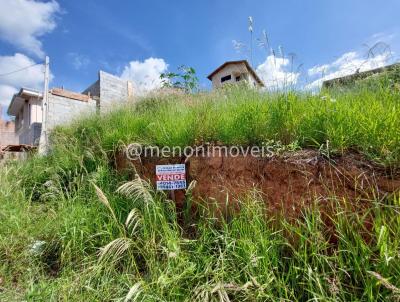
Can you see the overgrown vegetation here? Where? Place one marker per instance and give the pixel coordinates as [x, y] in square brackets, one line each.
[72, 229]
[389, 78]
[358, 119]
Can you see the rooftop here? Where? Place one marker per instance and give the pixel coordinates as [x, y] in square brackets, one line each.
[19, 98]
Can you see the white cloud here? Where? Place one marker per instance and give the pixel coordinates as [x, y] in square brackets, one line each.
[347, 64]
[6, 92]
[145, 75]
[22, 22]
[275, 74]
[317, 70]
[78, 61]
[9, 84]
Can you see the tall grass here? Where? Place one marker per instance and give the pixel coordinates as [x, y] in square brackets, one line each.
[111, 245]
[109, 238]
[363, 119]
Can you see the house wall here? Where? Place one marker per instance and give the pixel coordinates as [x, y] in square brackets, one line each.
[19, 120]
[252, 81]
[22, 121]
[233, 70]
[35, 111]
[93, 89]
[30, 135]
[28, 122]
[230, 69]
[62, 110]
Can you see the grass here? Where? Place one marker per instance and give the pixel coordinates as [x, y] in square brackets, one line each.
[358, 119]
[109, 238]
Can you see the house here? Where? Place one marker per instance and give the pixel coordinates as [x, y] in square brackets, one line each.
[26, 107]
[234, 72]
[63, 105]
[7, 132]
[350, 79]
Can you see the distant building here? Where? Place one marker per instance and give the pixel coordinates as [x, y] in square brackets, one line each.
[234, 72]
[350, 79]
[63, 105]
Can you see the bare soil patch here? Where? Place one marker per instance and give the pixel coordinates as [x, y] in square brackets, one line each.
[286, 183]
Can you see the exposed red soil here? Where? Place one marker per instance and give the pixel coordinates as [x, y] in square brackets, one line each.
[286, 183]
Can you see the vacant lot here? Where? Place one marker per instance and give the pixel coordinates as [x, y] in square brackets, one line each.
[74, 229]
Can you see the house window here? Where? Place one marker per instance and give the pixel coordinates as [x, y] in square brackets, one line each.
[226, 78]
[237, 78]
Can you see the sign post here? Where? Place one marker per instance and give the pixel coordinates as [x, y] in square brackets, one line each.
[171, 177]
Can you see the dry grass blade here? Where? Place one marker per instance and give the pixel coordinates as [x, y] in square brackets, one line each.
[102, 197]
[115, 249]
[137, 189]
[133, 220]
[134, 292]
[191, 186]
[385, 282]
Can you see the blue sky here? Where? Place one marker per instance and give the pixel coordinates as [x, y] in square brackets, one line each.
[140, 39]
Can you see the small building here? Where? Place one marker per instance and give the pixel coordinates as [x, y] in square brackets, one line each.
[234, 72]
[63, 105]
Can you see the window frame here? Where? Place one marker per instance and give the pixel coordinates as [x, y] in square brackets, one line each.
[226, 78]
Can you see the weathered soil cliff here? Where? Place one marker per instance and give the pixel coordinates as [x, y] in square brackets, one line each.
[286, 183]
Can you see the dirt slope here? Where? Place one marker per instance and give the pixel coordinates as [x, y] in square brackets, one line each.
[286, 183]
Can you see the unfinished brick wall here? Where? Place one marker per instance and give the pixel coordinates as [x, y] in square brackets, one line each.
[112, 90]
[7, 133]
[63, 109]
[109, 90]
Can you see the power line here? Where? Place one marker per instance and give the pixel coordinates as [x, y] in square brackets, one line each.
[18, 70]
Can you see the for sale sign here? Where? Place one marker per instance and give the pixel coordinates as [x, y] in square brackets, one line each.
[171, 177]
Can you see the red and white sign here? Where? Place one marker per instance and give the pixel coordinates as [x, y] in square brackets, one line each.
[171, 177]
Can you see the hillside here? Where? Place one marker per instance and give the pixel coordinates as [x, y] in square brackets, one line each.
[76, 229]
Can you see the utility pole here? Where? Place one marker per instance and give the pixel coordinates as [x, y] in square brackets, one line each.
[43, 141]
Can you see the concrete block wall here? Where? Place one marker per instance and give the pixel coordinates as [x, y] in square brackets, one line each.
[63, 110]
[93, 90]
[112, 90]
[109, 90]
[8, 138]
[7, 133]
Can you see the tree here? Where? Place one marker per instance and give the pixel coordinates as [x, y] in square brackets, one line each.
[185, 79]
